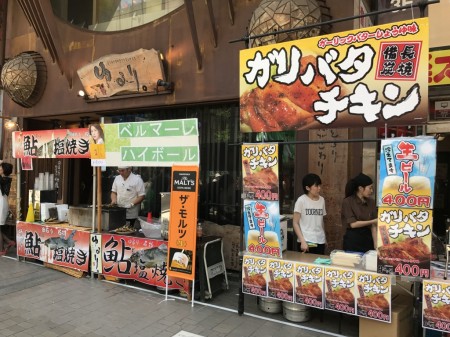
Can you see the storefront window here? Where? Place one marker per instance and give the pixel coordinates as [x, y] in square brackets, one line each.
[220, 163]
[112, 15]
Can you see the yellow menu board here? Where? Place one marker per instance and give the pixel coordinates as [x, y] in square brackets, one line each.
[309, 285]
[373, 298]
[254, 277]
[340, 290]
[281, 283]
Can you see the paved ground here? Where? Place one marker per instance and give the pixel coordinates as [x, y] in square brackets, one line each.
[37, 301]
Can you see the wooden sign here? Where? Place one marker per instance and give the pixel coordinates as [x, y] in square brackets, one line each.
[134, 72]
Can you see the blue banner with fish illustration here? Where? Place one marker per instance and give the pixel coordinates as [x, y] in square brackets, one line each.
[58, 245]
[141, 259]
[262, 227]
[407, 172]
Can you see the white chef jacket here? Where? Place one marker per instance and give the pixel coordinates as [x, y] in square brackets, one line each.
[127, 190]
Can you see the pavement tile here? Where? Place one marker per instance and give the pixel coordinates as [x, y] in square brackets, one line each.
[41, 302]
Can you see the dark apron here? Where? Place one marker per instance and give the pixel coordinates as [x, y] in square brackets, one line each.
[358, 239]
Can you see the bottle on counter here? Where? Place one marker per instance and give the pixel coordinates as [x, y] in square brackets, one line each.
[199, 230]
[149, 217]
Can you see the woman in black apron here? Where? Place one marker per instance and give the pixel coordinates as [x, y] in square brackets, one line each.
[359, 215]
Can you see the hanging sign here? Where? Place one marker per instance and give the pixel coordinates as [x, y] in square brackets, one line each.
[340, 285]
[436, 305]
[260, 171]
[281, 280]
[97, 145]
[261, 194]
[254, 276]
[358, 78]
[373, 298]
[439, 70]
[183, 222]
[309, 282]
[57, 143]
[407, 172]
[134, 72]
[404, 241]
[152, 143]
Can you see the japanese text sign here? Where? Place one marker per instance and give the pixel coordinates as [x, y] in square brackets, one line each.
[57, 143]
[407, 172]
[404, 241]
[364, 77]
[373, 298]
[136, 72]
[281, 280]
[55, 245]
[140, 259]
[254, 277]
[183, 222]
[262, 227]
[340, 285]
[260, 171]
[309, 284]
[152, 143]
[355, 292]
[439, 71]
[436, 305]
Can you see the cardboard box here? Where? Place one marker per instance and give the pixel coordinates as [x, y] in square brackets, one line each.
[401, 320]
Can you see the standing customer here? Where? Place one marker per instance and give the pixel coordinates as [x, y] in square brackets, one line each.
[128, 191]
[5, 186]
[359, 215]
[309, 211]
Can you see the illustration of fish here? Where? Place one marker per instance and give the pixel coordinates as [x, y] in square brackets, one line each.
[60, 242]
[150, 258]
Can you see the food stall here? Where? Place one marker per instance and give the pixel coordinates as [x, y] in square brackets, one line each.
[342, 75]
[81, 240]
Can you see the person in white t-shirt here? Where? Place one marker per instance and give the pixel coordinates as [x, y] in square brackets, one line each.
[309, 211]
[128, 191]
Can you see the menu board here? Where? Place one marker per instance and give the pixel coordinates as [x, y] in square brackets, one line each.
[373, 298]
[340, 292]
[261, 194]
[436, 305]
[405, 200]
[262, 227]
[281, 284]
[254, 280]
[407, 172]
[404, 241]
[309, 284]
[354, 292]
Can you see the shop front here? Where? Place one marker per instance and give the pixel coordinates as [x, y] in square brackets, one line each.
[318, 101]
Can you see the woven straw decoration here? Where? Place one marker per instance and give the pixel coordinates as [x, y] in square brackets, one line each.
[276, 15]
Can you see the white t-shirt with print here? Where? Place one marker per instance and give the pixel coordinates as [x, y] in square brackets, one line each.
[311, 218]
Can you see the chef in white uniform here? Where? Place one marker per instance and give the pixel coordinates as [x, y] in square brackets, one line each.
[128, 191]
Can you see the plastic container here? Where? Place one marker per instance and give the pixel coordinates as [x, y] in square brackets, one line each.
[346, 259]
[151, 230]
[369, 260]
[199, 230]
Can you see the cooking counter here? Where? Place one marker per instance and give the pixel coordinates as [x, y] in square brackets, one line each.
[112, 217]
